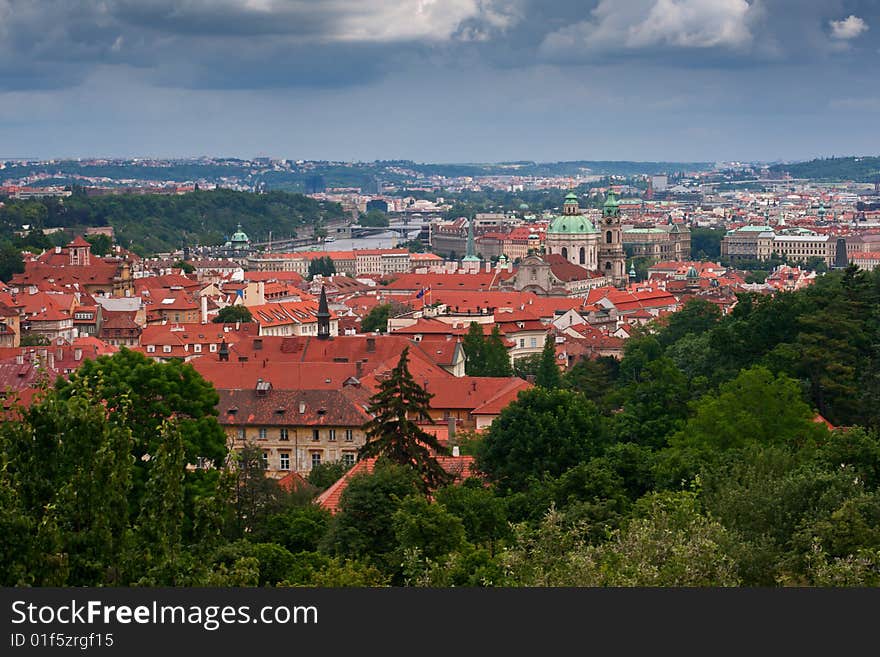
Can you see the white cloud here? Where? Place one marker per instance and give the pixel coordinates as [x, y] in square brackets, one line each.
[432, 20]
[848, 28]
[643, 24]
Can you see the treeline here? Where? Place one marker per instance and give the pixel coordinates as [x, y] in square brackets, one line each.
[859, 169]
[697, 460]
[154, 223]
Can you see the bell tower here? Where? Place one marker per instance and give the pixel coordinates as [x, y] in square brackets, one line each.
[612, 258]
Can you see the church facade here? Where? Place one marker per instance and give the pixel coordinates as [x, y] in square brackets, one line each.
[575, 238]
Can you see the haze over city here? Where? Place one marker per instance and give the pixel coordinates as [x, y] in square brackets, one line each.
[453, 81]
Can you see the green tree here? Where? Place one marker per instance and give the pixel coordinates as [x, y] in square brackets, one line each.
[184, 266]
[668, 543]
[233, 314]
[542, 432]
[474, 346]
[323, 266]
[159, 527]
[427, 527]
[255, 496]
[324, 475]
[496, 356]
[483, 514]
[594, 379]
[373, 218]
[695, 317]
[101, 244]
[548, 375]
[376, 319]
[362, 527]
[527, 366]
[393, 431]
[139, 394]
[11, 262]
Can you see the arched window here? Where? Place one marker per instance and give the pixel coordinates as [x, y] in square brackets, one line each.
[608, 237]
[565, 253]
[583, 256]
[607, 266]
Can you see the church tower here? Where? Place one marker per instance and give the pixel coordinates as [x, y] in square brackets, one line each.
[323, 316]
[612, 259]
[78, 252]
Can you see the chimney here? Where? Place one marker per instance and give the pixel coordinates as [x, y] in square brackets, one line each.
[203, 301]
[371, 345]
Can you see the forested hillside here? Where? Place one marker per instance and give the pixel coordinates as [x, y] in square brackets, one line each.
[152, 223]
[860, 169]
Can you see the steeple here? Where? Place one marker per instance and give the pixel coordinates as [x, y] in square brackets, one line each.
[471, 250]
[323, 316]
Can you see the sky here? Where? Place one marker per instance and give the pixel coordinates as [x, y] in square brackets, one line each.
[440, 80]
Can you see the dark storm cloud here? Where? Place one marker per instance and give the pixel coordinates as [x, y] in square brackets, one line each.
[297, 43]
[447, 79]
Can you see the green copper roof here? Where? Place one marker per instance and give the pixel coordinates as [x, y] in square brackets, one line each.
[611, 208]
[239, 235]
[574, 224]
[571, 196]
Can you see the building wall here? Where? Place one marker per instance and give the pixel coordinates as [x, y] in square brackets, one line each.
[299, 446]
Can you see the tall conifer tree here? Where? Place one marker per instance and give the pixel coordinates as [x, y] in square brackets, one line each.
[394, 433]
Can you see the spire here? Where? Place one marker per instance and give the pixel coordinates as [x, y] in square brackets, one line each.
[471, 255]
[323, 316]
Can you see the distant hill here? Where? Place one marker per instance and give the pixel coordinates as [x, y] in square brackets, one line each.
[310, 176]
[152, 223]
[858, 169]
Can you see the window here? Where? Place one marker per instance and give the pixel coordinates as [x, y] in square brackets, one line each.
[265, 459]
[241, 433]
[522, 342]
[331, 434]
[176, 317]
[583, 256]
[151, 348]
[262, 433]
[316, 434]
[212, 348]
[285, 461]
[282, 434]
[166, 348]
[316, 459]
[349, 435]
[533, 342]
[197, 348]
[348, 459]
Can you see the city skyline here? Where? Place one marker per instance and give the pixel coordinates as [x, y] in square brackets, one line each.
[458, 81]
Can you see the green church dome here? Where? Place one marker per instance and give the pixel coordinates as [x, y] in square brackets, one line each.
[239, 236]
[571, 224]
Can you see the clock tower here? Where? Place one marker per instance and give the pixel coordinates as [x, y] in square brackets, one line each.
[612, 258]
